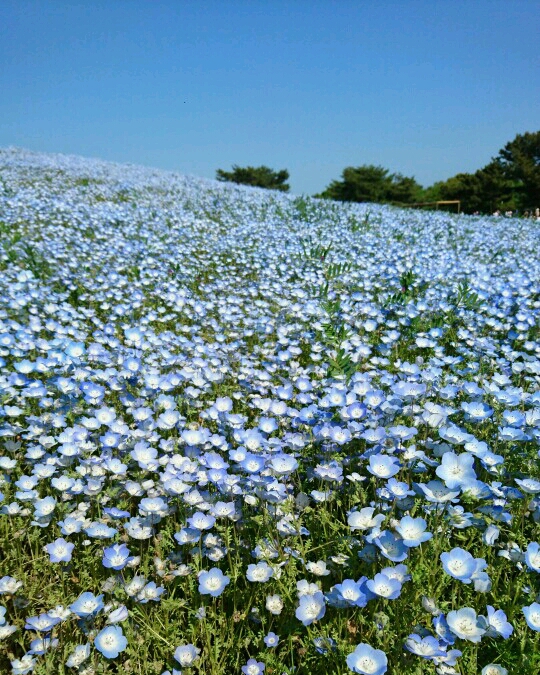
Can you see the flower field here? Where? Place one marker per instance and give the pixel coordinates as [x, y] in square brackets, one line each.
[246, 432]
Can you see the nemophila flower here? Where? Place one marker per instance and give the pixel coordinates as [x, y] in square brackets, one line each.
[150, 592]
[283, 464]
[399, 572]
[384, 587]
[261, 572]
[413, 531]
[427, 647]
[409, 390]
[498, 624]
[465, 624]
[529, 485]
[390, 546]
[43, 623]
[271, 640]
[110, 641]
[201, 521]
[490, 535]
[532, 615]
[456, 470]
[383, 466]
[135, 585]
[39, 646]
[532, 556]
[139, 528]
[117, 615]
[494, 669]
[213, 582]
[367, 661]
[253, 667]
[186, 655]
[349, 593]
[274, 604]
[398, 489]
[116, 557]
[9, 585]
[459, 564]
[435, 491]
[78, 656]
[318, 568]
[87, 604]
[324, 644]
[477, 411]
[311, 608]
[24, 665]
[59, 551]
[364, 519]
[100, 531]
[44, 508]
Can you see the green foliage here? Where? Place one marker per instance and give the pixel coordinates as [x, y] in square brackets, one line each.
[510, 181]
[369, 183]
[410, 288]
[520, 163]
[465, 297]
[260, 176]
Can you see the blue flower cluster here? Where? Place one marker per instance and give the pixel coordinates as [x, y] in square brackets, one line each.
[226, 412]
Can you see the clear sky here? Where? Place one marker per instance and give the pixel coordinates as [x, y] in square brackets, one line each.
[424, 87]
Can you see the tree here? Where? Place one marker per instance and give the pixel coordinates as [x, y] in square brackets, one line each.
[370, 183]
[260, 176]
[520, 164]
[485, 190]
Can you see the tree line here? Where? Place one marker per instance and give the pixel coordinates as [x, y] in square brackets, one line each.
[509, 182]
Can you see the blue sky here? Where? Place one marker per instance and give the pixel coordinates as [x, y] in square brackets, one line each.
[426, 88]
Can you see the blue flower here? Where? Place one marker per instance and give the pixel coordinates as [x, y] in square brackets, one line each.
[384, 587]
[367, 661]
[311, 608]
[260, 572]
[427, 647]
[253, 667]
[532, 556]
[465, 624]
[78, 656]
[413, 531]
[383, 466]
[60, 550]
[532, 615]
[23, 666]
[498, 624]
[110, 641]
[186, 655]
[87, 604]
[42, 623]
[456, 470]
[116, 557]
[349, 593]
[390, 546]
[494, 669]
[271, 640]
[39, 646]
[324, 644]
[213, 582]
[459, 564]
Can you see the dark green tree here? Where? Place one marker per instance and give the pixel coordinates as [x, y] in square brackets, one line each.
[258, 176]
[485, 190]
[370, 183]
[520, 163]
[404, 190]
